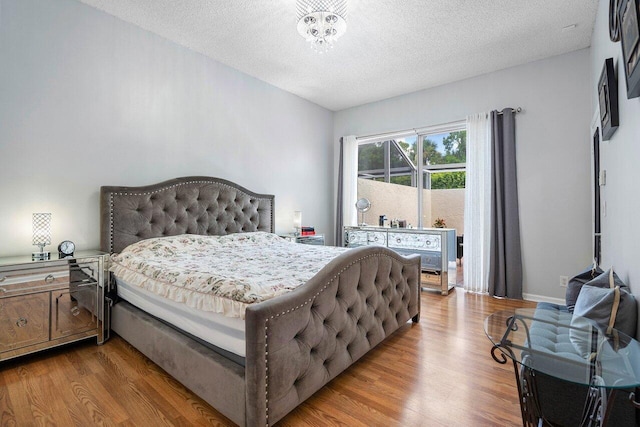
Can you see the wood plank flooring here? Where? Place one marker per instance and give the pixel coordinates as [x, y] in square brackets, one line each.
[438, 372]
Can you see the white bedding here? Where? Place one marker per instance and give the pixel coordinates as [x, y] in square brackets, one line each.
[221, 274]
[203, 284]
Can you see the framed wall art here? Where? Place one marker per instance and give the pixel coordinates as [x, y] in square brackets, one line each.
[630, 36]
[597, 236]
[608, 100]
[614, 27]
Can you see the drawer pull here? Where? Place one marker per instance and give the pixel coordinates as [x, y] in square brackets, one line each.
[75, 310]
[3, 290]
[49, 278]
[3, 278]
[21, 323]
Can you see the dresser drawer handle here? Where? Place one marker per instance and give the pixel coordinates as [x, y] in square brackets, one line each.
[3, 290]
[21, 323]
[49, 278]
[75, 310]
[3, 278]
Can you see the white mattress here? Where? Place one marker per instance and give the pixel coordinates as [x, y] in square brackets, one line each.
[215, 328]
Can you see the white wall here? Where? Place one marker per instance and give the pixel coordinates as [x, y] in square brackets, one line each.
[89, 100]
[619, 157]
[553, 143]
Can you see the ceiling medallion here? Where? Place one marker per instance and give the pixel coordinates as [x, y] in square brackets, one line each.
[321, 22]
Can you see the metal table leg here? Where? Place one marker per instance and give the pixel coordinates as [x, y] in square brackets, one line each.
[526, 384]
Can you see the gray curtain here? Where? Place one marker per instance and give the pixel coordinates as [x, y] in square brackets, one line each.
[339, 216]
[505, 263]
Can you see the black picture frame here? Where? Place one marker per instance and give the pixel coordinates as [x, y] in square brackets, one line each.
[628, 20]
[614, 26]
[608, 100]
[597, 236]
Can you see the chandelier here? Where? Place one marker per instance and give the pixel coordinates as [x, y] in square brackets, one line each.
[321, 22]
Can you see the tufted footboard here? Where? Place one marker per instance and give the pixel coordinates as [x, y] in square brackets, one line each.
[299, 342]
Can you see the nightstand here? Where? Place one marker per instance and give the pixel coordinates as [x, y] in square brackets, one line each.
[316, 239]
[48, 303]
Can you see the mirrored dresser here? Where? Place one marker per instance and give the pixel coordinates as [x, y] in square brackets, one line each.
[48, 303]
[436, 247]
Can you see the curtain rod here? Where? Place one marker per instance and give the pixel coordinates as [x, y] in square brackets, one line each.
[515, 110]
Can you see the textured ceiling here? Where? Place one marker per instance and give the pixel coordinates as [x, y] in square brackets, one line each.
[390, 47]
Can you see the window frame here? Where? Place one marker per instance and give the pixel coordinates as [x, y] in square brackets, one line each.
[421, 168]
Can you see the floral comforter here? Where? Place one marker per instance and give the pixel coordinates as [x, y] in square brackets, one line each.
[221, 274]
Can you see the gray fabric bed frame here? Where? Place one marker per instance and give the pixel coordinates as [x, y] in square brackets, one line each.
[296, 343]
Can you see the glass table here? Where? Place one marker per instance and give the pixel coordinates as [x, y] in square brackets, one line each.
[568, 348]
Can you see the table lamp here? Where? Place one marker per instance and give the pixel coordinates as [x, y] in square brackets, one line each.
[41, 235]
[297, 222]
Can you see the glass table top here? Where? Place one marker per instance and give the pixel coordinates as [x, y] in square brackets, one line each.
[564, 346]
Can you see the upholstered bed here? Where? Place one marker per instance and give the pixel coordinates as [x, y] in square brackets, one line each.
[296, 342]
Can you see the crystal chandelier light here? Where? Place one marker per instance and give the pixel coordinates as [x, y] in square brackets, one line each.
[321, 22]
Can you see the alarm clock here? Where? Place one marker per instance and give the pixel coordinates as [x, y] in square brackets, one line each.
[66, 249]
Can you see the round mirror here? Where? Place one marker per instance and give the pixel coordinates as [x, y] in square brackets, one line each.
[363, 205]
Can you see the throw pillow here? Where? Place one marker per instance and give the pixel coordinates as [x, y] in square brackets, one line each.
[604, 309]
[576, 282]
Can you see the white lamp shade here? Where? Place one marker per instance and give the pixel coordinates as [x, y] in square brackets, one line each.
[41, 228]
[297, 219]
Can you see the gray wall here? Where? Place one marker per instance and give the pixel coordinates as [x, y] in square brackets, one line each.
[619, 157]
[553, 152]
[89, 100]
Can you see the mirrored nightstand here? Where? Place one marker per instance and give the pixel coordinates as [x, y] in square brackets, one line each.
[316, 239]
[47, 303]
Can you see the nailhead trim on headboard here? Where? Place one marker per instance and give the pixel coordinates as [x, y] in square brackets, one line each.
[169, 186]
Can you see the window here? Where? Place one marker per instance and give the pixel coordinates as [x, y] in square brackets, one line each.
[374, 157]
[445, 156]
[399, 175]
[388, 176]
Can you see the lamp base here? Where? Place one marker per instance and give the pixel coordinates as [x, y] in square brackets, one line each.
[39, 256]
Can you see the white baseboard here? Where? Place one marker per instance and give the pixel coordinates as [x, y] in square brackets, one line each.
[541, 298]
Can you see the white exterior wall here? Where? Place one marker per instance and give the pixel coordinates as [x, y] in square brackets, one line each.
[448, 205]
[400, 202]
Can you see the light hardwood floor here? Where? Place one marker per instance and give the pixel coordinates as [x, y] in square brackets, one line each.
[438, 372]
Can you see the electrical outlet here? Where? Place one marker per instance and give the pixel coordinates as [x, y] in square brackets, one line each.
[564, 281]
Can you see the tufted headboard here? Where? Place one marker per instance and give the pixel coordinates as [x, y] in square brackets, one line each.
[189, 205]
